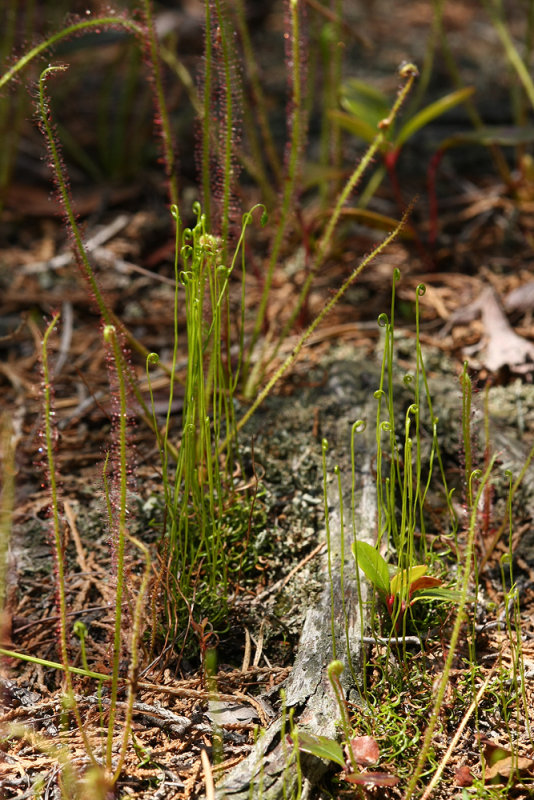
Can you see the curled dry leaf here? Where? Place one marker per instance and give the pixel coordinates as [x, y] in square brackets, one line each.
[520, 300]
[502, 347]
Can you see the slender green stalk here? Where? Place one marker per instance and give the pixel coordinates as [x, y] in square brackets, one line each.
[292, 357]
[121, 468]
[435, 450]
[161, 105]
[43, 662]
[511, 51]
[329, 551]
[71, 30]
[380, 396]
[206, 151]
[455, 634]
[228, 132]
[357, 428]
[335, 670]
[197, 499]
[295, 149]
[408, 73]
[342, 567]
[467, 396]
[57, 538]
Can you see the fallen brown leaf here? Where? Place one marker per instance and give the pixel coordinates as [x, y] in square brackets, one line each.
[511, 765]
[463, 776]
[501, 347]
[373, 778]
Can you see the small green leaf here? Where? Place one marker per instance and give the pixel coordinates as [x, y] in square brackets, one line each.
[402, 581]
[431, 112]
[320, 746]
[373, 219]
[364, 102]
[488, 135]
[358, 127]
[373, 565]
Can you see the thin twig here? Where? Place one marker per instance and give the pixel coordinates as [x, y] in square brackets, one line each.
[208, 776]
[279, 585]
[101, 237]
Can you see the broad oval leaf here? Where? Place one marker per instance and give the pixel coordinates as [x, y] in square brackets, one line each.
[320, 746]
[373, 565]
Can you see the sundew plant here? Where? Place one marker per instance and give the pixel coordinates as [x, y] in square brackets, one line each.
[419, 633]
[171, 601]
[207, 532]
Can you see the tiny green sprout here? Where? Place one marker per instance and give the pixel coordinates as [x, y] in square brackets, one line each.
[210, 243]
[335, 668]
[408, 70]
[109, 333]
[152, 360]
[384, 124]
[79, 629]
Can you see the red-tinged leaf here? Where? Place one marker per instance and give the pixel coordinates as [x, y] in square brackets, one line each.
[364, 750]
[426, 582]
[463, 777]
[372, 779]
[401, 582]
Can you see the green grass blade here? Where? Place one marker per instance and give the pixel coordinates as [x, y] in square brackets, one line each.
[432, 112]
